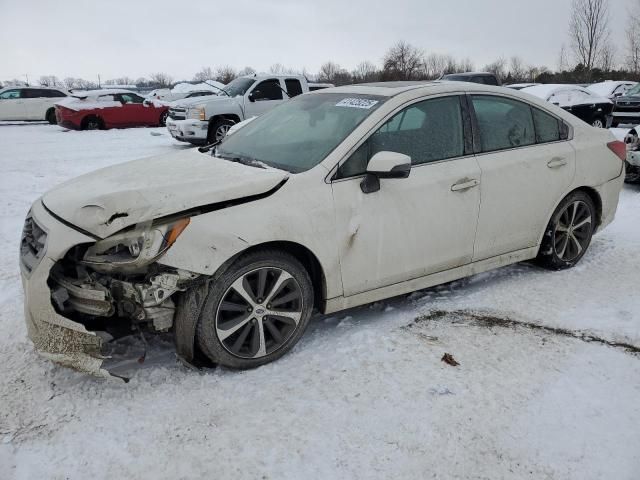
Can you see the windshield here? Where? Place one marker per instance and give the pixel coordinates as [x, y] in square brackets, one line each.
[634, 91]
[239, 86]
[299, 134]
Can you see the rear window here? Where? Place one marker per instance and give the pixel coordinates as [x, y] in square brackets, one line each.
[293, 86]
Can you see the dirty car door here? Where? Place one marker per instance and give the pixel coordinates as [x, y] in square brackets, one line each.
[414, 226]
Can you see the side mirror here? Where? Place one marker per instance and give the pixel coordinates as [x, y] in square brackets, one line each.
[146, 103]
[251, 97]
[618, 94]
[385, 165]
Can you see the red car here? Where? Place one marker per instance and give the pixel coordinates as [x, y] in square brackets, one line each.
[102, 109]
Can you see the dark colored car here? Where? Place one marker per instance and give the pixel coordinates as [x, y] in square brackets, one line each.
[626, 108]
[579, 101]
[104, 109]
[474, 77]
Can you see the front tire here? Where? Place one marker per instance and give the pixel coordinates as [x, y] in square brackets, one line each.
[163, 118]
[569, 232]
[218, 130]
[256, 311]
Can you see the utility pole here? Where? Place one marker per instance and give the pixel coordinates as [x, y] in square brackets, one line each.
[26, 75]
[99, 81]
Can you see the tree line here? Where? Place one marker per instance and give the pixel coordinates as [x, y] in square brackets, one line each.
[589, 57]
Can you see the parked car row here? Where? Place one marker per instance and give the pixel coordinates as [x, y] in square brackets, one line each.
[207, 120]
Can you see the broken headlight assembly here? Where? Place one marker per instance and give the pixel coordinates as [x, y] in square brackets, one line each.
[135, 247]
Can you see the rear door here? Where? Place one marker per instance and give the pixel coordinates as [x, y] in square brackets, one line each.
[414, 226]
[527, 165]
[12, 105]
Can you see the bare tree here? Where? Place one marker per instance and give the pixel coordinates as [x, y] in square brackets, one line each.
[589, 31]
[49, 81]
[225, 74]
[497, 67]
[632, 58]
[517, 70]
[205, 73]
[365, 72]
[434, 65]
[161, 80]
[246, 71]
[403, 61]
[607, 57]
[466, 65]
[329, 72]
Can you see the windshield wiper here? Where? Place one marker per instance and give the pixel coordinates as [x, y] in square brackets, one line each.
[252, 162]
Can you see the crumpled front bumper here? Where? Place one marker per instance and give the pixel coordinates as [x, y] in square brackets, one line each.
[54, 336]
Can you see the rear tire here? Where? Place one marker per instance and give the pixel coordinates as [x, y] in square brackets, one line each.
[598, 122]
[92, 122]
[51, 116]
[163, 118]
[256, 311]
[568, 233]
[218, 130]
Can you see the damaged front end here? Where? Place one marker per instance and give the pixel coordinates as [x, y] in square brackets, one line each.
[98, 291]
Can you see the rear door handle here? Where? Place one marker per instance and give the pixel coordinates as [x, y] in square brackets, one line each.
[556, 162]
[464, 184]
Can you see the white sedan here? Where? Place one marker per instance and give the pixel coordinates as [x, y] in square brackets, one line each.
[335, 199]
[30, 103]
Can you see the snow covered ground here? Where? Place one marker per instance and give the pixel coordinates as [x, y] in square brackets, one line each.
[365, 393]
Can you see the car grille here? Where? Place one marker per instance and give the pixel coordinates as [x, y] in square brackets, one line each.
[32, 245]
[627, 106]
[177, 113]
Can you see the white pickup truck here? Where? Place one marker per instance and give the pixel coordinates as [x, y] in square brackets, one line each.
[205, 120]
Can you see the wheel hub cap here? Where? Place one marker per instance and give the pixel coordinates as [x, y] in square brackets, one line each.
[259, 312]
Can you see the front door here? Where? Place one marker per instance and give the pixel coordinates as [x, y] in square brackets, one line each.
[263, 97]
[12, 105]
[411, 227]
[526, 168]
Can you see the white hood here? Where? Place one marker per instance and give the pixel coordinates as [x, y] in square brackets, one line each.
[108, 200]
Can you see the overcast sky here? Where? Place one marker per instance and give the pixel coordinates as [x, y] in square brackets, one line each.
[135, 38]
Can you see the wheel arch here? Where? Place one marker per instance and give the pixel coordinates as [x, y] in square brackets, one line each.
[85, 119]
[49, 111]
[595, 198]
[224, 116]
[301, 253]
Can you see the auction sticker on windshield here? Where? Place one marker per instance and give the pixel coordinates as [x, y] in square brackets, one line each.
[356, 103]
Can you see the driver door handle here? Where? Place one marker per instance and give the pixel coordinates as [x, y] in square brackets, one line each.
[557, 162]
[464, 184]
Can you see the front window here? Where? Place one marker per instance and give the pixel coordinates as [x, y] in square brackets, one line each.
[299, 134]
[239, 86]
[427, 131]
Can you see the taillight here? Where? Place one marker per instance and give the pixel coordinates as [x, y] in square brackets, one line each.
[619, 148]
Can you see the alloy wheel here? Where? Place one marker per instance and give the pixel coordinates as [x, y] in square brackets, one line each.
[221, 131]
[573, 231]
[597, 123]
[259, 312]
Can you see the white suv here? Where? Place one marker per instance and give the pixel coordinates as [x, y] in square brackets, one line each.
[30, 103]
[334, 199]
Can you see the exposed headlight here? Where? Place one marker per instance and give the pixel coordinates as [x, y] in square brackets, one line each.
[134, 248]
[197, 113]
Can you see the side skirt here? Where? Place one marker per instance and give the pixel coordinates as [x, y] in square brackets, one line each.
[342, 303]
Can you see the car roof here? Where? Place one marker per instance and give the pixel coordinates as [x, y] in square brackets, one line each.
[546, 90]
[97, 93]
[391, 89]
